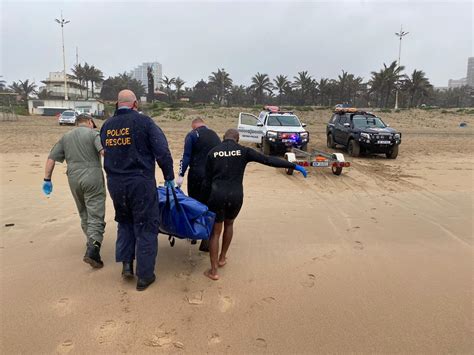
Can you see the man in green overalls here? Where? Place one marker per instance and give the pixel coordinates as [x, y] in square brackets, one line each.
[81, 148]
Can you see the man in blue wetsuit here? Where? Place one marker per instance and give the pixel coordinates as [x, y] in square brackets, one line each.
[132, 144]
[197, 145]
[225, 167]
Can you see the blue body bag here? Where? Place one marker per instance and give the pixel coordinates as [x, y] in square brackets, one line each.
[182, 216]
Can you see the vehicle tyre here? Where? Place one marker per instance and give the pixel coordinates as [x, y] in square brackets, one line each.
[393, 153]
[330, 141]
[304, 147]
[336, 170]
[266, 147]
[353, 148]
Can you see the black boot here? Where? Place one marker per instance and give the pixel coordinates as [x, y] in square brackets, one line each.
[127, 270]
[204, 245]
[92, 256]
[142, 284]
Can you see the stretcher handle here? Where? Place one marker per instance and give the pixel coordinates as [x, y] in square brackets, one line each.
[174, 196]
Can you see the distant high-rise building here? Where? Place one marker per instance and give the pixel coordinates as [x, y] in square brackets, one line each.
[457, 83]
[470, 71]
[140, 73]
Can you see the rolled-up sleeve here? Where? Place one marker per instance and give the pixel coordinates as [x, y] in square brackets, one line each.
[57, 152]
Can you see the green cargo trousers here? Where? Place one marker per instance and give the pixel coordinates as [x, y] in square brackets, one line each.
[88, 189]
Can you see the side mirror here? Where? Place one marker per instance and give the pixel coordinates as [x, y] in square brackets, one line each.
[259, 124]
[303, 125]
[347, 124]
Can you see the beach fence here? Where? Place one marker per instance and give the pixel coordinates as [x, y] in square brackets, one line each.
[7, 111]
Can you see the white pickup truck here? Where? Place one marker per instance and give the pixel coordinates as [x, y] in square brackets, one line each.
[273, 130]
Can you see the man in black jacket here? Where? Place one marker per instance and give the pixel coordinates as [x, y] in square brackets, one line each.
[133, 145]
[197, 145]
[225, 167]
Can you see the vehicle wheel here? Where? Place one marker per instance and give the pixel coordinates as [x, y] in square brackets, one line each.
[266, 147]
[330, 141]
[393, 153]
[304, 147]
[336, 170]
[353, 148]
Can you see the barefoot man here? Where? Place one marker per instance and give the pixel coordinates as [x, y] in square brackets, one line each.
[225, 167]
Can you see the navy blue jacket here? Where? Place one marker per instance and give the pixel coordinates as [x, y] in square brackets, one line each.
[132, 143]
[197, 144]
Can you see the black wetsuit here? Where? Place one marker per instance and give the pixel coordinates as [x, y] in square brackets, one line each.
[225, 167]
[197, 145]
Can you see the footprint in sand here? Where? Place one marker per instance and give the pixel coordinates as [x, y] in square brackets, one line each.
[195, 298]
[65, 347]
[358, 245]
[164, 339]
[261, 343]
[328, 255]
[309, 282]
[260, 305]
[214, 339]
[225, 303]
[106, 331]
[63, 307]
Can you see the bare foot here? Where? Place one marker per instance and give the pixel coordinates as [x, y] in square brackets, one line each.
[213, 277]
[221, 263]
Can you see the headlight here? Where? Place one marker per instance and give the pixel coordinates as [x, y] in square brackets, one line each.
[365, 135]
[272, 134]
[396, 136]
[304, 135]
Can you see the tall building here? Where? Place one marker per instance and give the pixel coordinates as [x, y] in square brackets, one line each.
[140, 73]
[470, 71]
[457, 83]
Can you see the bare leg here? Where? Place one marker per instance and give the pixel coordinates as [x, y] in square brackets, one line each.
[214, 251]
[226, 240]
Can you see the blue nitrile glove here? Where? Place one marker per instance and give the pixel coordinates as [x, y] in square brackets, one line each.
[169, 183]
[301, 170]
[47, 187]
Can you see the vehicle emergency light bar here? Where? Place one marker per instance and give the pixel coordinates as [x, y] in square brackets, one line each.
[275, 109]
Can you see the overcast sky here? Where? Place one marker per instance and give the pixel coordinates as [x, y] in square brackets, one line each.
[192, 39]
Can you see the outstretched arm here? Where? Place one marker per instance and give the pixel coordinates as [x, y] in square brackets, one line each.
[253, 155]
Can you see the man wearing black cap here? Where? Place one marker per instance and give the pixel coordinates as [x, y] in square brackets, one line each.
[81, 148]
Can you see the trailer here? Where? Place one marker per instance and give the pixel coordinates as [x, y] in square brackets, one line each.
[317, 159]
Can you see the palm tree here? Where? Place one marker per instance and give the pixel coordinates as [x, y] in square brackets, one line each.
[384, 82]
[323, 87]
[222, 83]
[417, 86]
[168, 82]
[24, 89]
[178, 84]
[79, 74]
[96, 77]
[281, 84]
[2, 84]
[303, 83]
[260, 84]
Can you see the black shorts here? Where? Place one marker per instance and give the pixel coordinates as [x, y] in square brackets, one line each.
[225, 208]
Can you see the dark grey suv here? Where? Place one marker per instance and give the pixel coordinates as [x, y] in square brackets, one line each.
[362, 132]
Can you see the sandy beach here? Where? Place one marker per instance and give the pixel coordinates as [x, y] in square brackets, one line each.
[379, 259]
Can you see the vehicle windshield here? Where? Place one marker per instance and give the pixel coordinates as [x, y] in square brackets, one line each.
[283, 120]
[367, 122]
[68, 113]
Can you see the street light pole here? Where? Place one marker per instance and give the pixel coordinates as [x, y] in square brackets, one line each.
[63, 22]
[400, 35]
